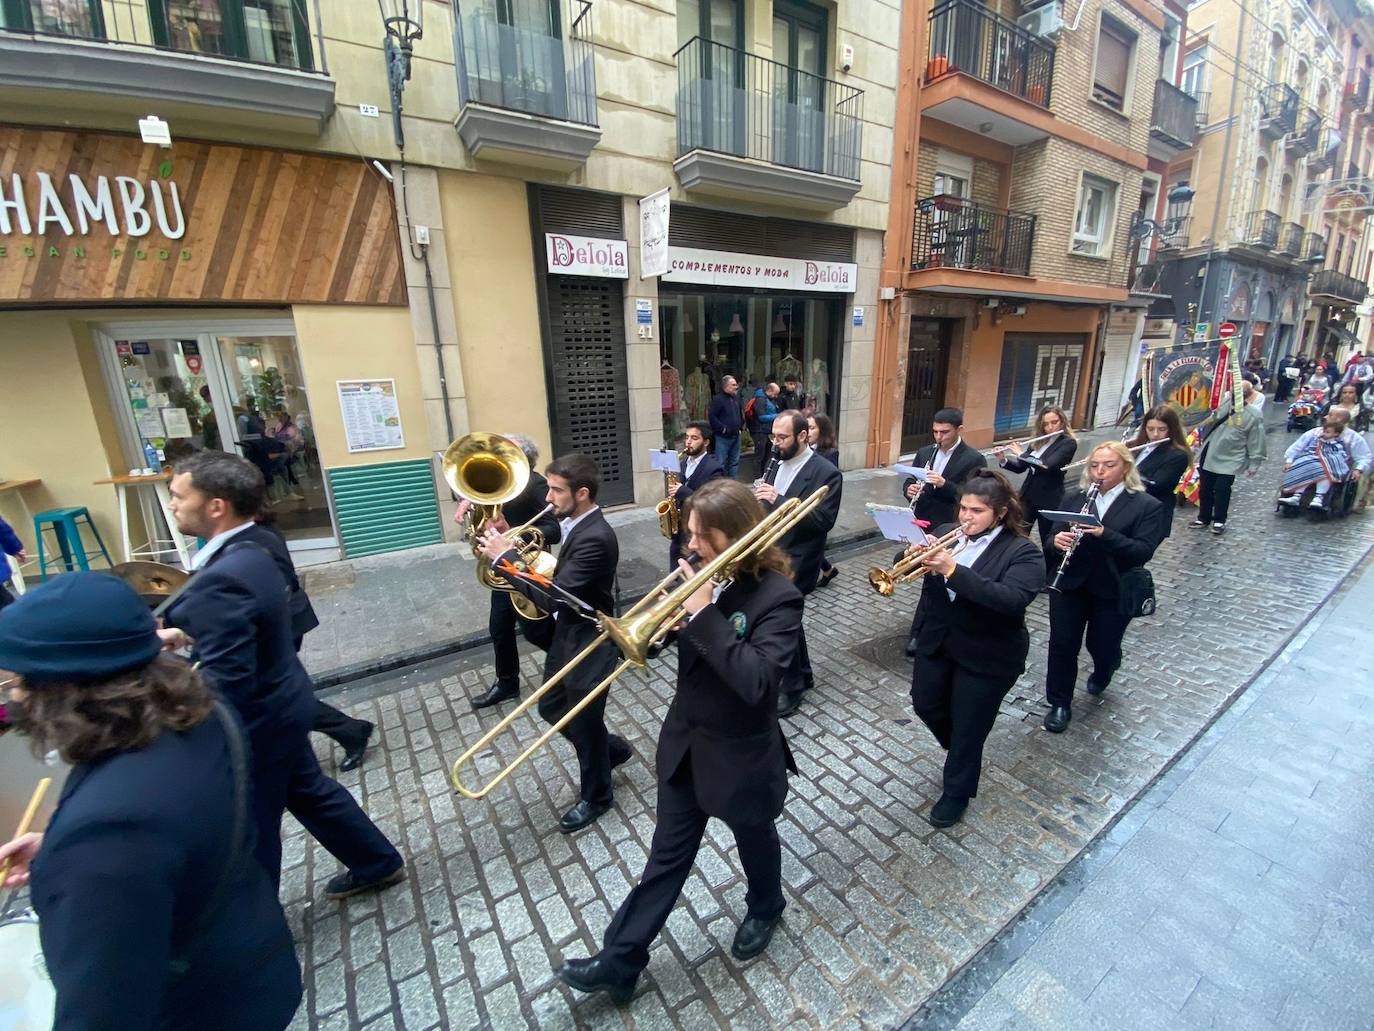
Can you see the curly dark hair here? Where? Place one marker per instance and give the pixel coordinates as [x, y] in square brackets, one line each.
[88, 722]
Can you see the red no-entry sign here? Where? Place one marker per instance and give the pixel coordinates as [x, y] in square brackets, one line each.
[1226, 330]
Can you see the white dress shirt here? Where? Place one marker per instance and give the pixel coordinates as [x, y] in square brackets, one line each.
[787, 471]
[215, 543]
[691, 466]
[971, 551]
[716, 591]
[1104, 501]
[941, 458]
[1148, 450]
[566, 525]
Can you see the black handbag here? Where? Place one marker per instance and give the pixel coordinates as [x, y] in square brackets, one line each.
[1137, 595]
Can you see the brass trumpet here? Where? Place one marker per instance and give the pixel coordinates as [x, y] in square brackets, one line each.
[908, 568]
[636, 632]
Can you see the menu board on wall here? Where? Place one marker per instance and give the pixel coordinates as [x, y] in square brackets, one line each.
[371, 414]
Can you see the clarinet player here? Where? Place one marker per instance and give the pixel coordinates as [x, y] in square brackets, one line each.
[1087, 601]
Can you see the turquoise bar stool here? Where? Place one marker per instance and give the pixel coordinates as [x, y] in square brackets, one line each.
[66, 527]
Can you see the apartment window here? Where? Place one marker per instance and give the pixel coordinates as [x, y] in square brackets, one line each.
[1194, 71]
[1112, 70]
[1096, 211]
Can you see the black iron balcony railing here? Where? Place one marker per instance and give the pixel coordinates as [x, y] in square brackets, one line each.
[1328, 148]
[1204, 100]
[1356, 90]
[269, 32]
[966, 37]
[1174, 119]
[1355, 185]
[1313, 246]
[952, 232]
[1173, 233]
[1306, 138]
[1262, 229]
[1278, 110]
[1290, 240]
[516, 56]
[737, 103]
[1330, 283]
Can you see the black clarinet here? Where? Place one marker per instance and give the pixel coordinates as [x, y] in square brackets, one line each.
[1077, 532]
[771, 473]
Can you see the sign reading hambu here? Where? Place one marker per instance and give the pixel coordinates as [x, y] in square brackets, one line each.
[103, 217]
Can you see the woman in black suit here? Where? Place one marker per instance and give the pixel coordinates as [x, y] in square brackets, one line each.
[1043, 465]
[1163, 458]
[971, 639]
[721, 752]
[822, 432]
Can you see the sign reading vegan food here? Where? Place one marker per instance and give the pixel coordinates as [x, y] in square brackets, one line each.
[371, 415]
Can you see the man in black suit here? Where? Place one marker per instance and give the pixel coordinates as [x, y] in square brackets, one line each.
[501, 616]
[798, 472]
[586, 571]
[234, 612]
[1089, 592]
[700, 466]
[721, 751]
[948, 462]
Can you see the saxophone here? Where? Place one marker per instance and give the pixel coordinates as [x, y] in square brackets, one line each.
[669, 517]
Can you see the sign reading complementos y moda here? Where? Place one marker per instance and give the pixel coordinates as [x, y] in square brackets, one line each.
[586, 256]
[724, 268]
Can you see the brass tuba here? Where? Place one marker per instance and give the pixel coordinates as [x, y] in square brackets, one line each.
[490, 470]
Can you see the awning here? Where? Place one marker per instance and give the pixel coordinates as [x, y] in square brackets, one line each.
[1343, 335]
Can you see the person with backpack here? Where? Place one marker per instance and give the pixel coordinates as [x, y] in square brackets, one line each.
[759, 413]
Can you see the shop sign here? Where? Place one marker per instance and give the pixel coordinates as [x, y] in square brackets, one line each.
[587, 256]
[725, 268]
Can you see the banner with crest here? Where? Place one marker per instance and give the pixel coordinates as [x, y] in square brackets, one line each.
[1182, 376]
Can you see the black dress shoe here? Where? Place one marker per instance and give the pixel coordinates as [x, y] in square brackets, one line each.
[1057, 719]
[947, 812]
[827, 576]
[353, 754]
[1096, 686]
[911, 648]
[584, 814]
[499, 693]
[621, 758]
[591, 975]
[753, 937]
[342, 885]
[788, 703]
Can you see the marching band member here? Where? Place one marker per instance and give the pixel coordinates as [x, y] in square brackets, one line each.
[971, 639]
[1163, 459]
[1090, 595]
[587, 562]
[699, 466]
[1044, 484]
[721, 751]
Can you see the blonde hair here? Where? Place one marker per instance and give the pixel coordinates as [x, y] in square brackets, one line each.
[1132, 479]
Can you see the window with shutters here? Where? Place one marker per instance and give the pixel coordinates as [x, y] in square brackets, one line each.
[1112, 68]
[1096, 215]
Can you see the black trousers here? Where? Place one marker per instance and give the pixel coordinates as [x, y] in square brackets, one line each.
[1074, 614]
[798, 676]
[677, 837]
[597, 749]
[1214, 496]
[6, 598]
[501, 623]
[347, 731]
[959, 707]
[287, 777]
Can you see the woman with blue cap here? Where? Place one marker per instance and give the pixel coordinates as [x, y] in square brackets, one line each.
[152, 911]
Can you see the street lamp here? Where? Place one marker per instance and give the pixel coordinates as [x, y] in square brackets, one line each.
[404, 21]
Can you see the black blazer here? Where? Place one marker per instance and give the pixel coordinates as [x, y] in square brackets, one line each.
[707, 469]
[526, 506]
[303, 617]
[805, 545]
[1161, 470]
[236, 610]
[1133, 529]
[936, 504]
[724, 716]
[1043, 487]
[831, 455]
[984, 628]
[137, 845]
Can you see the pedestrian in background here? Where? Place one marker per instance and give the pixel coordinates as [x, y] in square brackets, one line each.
[760, 412]
[822, 439]
[1234, 444]
[726, 416]
[10, 544]
[790, 395]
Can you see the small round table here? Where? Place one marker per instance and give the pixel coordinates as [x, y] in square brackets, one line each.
[156, 545]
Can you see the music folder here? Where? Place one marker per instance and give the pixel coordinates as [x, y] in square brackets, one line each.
[920, 472]
[1088, 519]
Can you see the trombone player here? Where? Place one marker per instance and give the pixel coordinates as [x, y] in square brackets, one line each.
[721, 751]
[501, 614]
[586, 572]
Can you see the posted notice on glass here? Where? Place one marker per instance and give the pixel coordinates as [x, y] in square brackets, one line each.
[371, 414]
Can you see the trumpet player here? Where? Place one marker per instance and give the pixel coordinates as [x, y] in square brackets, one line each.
[721, 752]
[699, 466]
[1089, 599]
[971, 639]
[586, 570]
[501, 615]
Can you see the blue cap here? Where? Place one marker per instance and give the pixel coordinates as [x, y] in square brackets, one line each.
[78, 627]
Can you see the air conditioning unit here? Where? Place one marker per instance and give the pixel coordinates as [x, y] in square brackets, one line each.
[1043, 21]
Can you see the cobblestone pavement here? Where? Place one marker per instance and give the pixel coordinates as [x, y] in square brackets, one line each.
[882, 908]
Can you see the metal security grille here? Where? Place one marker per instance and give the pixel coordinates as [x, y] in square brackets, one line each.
[776, 237]
[591, 396]
[386, 507]
[581, 212]
[927, 359]
[1038, 369]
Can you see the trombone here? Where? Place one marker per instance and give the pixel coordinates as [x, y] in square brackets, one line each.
[646, 624]
[908, 568]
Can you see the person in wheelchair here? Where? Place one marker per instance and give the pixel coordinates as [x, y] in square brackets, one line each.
[1321, 459]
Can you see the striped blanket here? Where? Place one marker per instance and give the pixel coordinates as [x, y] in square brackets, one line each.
[1322, 460]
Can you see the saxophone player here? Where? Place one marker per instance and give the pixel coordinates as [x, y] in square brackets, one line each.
[1089, 599]
[699, 465]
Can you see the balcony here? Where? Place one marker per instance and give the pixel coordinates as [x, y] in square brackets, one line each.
[216, 64]
[1173, 123]
[1290, 240]
[754, 129]
[1278, 111]
[1262, 230]
[1356, 93]
[527, 90]
[1172, 234]
[1334, 287]
[1328, 148]
[952, 232]
[1314, 247]
[1308, 135]
[1204, 100]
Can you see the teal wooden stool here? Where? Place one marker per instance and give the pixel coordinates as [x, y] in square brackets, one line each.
[66, 527]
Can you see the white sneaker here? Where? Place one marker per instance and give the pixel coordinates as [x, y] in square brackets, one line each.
[294, 497]
[1292, 501]
[1318, 501]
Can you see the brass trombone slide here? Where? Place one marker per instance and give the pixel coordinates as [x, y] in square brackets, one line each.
[908, 568]
[636, 632]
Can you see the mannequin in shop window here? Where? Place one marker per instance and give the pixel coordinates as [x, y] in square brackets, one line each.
[674, 410]
[818, 385]
[698, 394]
